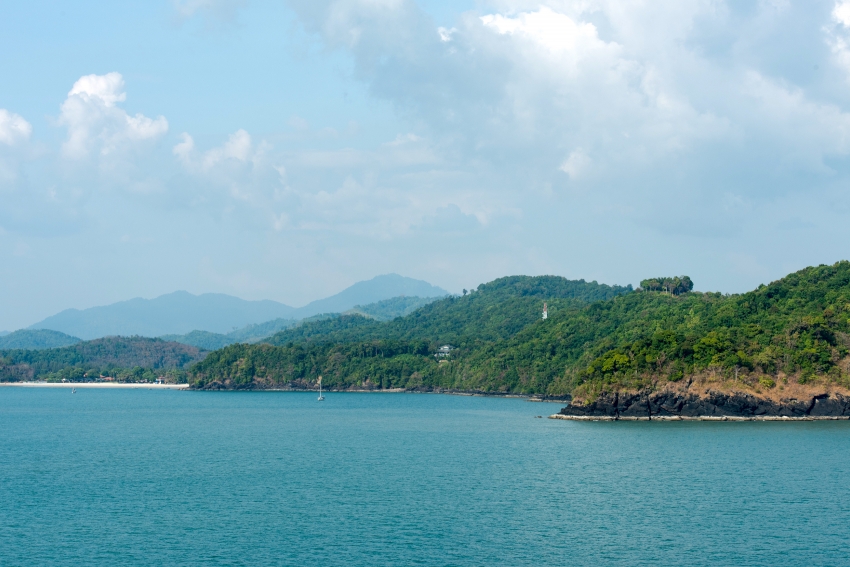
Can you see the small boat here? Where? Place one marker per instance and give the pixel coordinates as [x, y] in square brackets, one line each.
[321, 397]
[73, 390]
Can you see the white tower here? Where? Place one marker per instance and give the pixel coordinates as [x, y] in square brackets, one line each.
[545, 311]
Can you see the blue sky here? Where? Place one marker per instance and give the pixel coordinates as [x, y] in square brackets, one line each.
[285, 150]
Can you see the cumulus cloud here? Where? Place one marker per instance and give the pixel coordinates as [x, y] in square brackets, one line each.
[238, 169]
[556, 32]
[13, 128]
[841, 13]
[96, 123]
[238, 149]
[346, 191]
[671, 93]
[838, 36]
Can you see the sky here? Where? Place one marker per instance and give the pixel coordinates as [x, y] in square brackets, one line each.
[286, 150]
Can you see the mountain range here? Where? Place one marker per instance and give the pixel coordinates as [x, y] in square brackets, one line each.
[181, 312]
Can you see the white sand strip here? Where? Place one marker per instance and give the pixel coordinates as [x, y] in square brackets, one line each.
[80, 385]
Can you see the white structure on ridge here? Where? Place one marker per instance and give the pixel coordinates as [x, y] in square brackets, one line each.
[545, 311]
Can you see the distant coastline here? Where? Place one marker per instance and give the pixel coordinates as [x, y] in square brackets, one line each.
[92, 385]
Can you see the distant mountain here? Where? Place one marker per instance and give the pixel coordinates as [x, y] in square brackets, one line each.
[174, 313]
[385, 310]
[249, 334]
[389, 309]
[181, 312]
[371, 291]
[4, 333]
[34, 339]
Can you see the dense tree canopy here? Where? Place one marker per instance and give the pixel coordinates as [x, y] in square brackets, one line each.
[797, 326]
[596, 336]
[121, 357]
[673, 286]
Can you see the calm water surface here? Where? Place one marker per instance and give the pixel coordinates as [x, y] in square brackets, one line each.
[140, 477]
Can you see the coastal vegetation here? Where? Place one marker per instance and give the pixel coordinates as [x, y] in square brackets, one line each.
[121, 359]
[597, 339]
[352, 351]
[794, 329]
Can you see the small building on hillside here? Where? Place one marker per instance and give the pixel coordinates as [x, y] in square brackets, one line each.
[444, 351]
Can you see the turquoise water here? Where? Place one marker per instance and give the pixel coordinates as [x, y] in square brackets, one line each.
[141, 477]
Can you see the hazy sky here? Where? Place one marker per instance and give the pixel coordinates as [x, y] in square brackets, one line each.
[285, 150]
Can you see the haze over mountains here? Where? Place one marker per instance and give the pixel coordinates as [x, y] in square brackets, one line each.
[182, 312]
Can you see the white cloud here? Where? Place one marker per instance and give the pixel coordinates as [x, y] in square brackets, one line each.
[184, 149]
[248, 180]
[841, 13]
[239, 148]
[238, 169]
[656, 109]
[576, 164]
[13, 128]
[96, 123]
[838, 36]
[445, 33]
[556, 32]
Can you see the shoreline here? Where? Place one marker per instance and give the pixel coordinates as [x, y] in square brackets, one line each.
[700, 418]
[470, 393]
[116, 385]
[188, 387]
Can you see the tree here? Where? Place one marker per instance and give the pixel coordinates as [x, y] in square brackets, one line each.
[673, 286]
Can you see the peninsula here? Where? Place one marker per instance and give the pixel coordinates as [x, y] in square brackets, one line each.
[661, 351]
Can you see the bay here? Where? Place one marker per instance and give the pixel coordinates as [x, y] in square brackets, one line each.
[139, 477]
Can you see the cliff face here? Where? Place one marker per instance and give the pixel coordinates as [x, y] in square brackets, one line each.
[713, 401]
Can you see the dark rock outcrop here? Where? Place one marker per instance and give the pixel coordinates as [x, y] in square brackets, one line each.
[618, 405]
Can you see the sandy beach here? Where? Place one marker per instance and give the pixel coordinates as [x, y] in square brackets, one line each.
[80, 385]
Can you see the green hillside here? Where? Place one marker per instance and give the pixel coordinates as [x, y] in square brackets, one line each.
[794, 329]
[353, 350]
[36, 339]
[389, 309]
[494, 311]
[123, 358]
[596, 338]
[201, 339]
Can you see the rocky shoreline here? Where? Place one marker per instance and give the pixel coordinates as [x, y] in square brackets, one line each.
[698, 418]
[710, 405]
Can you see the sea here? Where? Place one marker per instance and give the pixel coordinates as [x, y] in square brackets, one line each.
[163, 477]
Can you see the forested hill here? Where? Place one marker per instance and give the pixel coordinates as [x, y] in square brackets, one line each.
[496, 310]
[793, 330]
[789, 334]
[90, 359]
[389, 309]
[36, 339]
